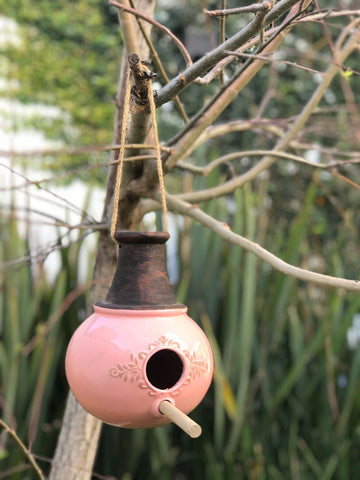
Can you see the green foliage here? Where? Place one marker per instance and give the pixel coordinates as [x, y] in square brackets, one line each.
[285, 386]
[277, 408]
[68, 55]
[36, 323]
[284, 399]
[280, 347]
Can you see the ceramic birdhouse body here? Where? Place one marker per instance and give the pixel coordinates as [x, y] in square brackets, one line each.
[138, 349]
[150, 356]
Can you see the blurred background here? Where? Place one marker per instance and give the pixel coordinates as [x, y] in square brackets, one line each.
[285, 401]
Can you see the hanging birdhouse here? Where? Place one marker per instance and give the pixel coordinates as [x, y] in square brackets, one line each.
[139, 354]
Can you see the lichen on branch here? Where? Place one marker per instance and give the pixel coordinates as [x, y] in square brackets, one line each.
[141, 76]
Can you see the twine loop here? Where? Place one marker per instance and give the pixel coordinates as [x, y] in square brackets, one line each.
[114, 218]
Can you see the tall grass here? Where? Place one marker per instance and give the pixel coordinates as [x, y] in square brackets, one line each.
[36, 321]
[285, 394]
[284, 403]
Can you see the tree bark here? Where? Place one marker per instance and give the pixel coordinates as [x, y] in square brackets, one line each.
[78, 440]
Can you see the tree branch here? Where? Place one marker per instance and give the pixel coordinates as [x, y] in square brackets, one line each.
[274, 60]
[255, 7]
[23, 448]
[78, 150]
[185, 144]
[254, 153]
[161, 27]
[128, 27]
[159, 65]
[236, 126]
[220, 66]
[273, 127]
[77, 443]
[224, 231]
[321, 14]
[247, 70]
[212, 58]
[218, 105]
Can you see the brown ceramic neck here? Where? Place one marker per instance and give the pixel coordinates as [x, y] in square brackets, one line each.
[149, 238]
[140, 281]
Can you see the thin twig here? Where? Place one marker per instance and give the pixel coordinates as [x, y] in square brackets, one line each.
[251, 153]
[56, 222]
[268, 125]
[212, 58]
[55, 316]
[255, 7]
[161, 27]
[71, 205]
[77, 469]
[80, 226]
[222, 129]
[274, 60]
[42, 252]
[14, 470]
[221, 100]
[345, 179]
[319, 15]
[23, 448]
[159, 65]
[293, 130]
[78, 150]
[222, 28]
[239, 80]
[74, 171]
[224, 231]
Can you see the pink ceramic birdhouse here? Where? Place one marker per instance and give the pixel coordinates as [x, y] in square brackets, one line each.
[139, 347]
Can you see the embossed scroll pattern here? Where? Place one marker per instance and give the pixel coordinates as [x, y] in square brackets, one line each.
[133, 370]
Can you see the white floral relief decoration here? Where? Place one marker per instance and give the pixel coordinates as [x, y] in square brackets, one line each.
[133, 371]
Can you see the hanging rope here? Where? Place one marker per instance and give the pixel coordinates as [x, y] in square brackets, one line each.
[121, 157]
[114, 217]
[158, 157]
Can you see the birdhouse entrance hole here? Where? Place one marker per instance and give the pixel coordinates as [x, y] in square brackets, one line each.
[164, 369]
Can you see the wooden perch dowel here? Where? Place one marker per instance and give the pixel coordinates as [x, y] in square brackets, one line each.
[183, 421]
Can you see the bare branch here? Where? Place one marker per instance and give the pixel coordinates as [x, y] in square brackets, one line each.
[129, 30]
[222, 36]
[274, 60]
[249, 68]
[255, 7]
[274, 128]
[223, 230]
[319, 15]
[212, 58]
[221, 129]
[210, 112]
[220, 66]
[345, 179]
[73, 207]
[230, 186]
[54, 221]
[158, 64]
[161, 27]
[55, 317]
[42, 252]
[254, 153]
[23, 448]
[74, 171]
[283, 142]
[78, 150]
